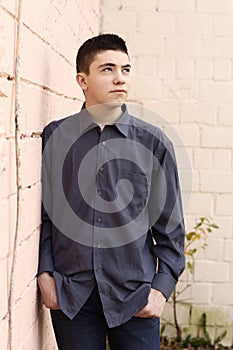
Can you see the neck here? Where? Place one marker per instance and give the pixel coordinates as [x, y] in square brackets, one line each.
[104, 114]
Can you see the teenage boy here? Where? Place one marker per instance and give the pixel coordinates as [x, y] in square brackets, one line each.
[106, 280]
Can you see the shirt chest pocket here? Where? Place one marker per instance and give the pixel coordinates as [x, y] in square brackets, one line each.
[132, 192]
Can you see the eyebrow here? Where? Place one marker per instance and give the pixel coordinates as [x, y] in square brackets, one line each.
[113, 65]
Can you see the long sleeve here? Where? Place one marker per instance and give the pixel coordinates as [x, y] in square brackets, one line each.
[168, 230]
[45, 247]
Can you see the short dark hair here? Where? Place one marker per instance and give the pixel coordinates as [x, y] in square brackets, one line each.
[91, 47]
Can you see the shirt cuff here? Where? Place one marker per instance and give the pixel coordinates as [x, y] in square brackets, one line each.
[164, 283]
[45, 267]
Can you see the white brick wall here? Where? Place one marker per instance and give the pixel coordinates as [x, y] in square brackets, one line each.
[182, 56]
[50, 36]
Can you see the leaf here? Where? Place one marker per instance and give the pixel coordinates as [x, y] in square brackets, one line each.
[190, 266]
[215, 226]
[191, 252]
[203, 326]
[220, 338]
[190, 235]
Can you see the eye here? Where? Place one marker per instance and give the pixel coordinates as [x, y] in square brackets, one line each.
[107, 69]
[126, 70]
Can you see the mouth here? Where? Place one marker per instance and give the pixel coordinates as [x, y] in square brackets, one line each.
[118, 91]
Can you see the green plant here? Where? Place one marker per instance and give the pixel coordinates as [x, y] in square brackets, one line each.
[203, 341]
[203, 227]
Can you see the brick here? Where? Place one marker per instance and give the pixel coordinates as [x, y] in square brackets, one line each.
[214, 249]
[53, 76]
[185, 68]
[138, 45]
[184, 292]
[202, 159]
[189, 134]
[193, 24]
[231, 275]
[4, 289]
[119, 5]
[222, 69]
[216, 181]
[27, 319]
[7, 225]
[180, 89]
[166, 67]
[50, 107]
[7, 29]
[216, 47]
[220, 137]
[224, 204]
[211, 271]
[41, 334]
[146, 66]
[144, 111]
[214, 6]
[46, 21]
[216, 91]
[228, 250]
[144, 88]
[30, 148]
[30, 202]
[222, 294]
[10, 6]
[188, 181]
[225, 227]
[7, 167]
[4, 333]
[158, 23]
[204, 68]
[201, 204]
[221, 159]
[195, 185]
[225, 115]
[223, 26]
[216, 316]
[6, 108]
[178, 6]
[183, 312]
[4, 223]
[55, 17]
[201, 293]
[167, 110]
[198, 112]
[227, 341]
[123, 21]
[25, 273]
[182, 46]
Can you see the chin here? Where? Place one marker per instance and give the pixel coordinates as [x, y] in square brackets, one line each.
[114, 104]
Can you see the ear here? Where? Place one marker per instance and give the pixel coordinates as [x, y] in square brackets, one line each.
[81, 80]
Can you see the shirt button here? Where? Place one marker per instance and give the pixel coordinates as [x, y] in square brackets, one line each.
[101, 169]
[99, 219]
[100, 193]
[104, 143]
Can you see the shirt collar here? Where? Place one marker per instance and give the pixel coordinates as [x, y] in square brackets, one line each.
[122, 124]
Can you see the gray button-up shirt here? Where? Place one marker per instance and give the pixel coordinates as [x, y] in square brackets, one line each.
[111, 213]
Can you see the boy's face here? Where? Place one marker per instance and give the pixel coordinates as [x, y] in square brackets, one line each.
[108, 79]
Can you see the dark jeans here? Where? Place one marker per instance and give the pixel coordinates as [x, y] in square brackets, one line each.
[87, 331]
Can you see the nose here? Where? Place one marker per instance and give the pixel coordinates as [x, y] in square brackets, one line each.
[119, 77]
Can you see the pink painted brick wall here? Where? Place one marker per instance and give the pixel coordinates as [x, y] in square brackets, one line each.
[50, 33]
